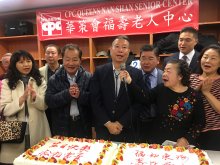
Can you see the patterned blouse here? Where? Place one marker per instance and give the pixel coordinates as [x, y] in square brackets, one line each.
[178, 114]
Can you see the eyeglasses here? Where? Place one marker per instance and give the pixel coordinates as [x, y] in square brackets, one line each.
[209, 58]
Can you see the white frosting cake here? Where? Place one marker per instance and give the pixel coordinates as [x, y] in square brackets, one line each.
[76, 151]
[62, 150]
[144, 154]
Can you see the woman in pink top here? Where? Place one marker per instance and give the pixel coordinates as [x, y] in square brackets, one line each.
[208, 81]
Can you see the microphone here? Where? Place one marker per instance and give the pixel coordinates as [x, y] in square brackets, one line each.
[123, 67]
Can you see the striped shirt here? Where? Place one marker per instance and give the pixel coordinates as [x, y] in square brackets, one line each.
[212, 117]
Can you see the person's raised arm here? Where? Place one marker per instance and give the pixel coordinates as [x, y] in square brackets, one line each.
[205, 88]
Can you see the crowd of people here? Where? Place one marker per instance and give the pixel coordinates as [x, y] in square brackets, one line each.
[117, 102]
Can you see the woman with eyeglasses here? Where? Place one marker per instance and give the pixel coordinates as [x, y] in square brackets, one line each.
[208, 82]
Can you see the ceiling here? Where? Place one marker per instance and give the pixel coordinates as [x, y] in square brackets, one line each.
[19, 5]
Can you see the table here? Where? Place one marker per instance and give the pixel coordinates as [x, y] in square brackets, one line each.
[214, 156]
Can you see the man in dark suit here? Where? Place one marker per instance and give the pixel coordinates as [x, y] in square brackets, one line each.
[188, 39]
[149, 60]
[113, 107]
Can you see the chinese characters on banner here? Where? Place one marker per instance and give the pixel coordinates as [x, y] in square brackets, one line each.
[117, 18]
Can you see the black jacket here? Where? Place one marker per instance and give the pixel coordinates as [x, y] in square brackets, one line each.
[178, 114]
[107, 107]
[59, 99]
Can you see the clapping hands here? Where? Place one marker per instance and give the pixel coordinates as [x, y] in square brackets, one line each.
[74, 90]
[28, 92]
[205, 85]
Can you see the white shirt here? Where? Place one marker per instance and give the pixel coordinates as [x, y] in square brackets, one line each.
[189, 56]
[74, 110]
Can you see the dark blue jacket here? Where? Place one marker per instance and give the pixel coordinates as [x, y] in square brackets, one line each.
[59, 99]
[149, 111]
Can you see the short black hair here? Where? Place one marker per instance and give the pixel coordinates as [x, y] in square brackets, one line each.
[190, 30]
[215, 47]
[183, 70]
[71, 47]
[148, 47]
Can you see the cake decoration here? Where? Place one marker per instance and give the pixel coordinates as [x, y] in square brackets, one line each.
[155, 154]
[61, 150]
[64, 150]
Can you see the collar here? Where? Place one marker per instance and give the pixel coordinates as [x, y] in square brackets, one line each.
[189, 55]
[113, 67]
[153, 73]
[72, 77]
[30, 79]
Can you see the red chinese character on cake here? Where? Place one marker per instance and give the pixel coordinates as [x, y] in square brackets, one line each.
[166, 156]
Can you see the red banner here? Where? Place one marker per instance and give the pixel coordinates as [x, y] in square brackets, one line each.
[122, 17]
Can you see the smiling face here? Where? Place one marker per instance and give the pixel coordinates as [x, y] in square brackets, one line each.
[186, 42]
[119, 51]
[71, 61]
[210, 62]
[24, 66]
[170, 77]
